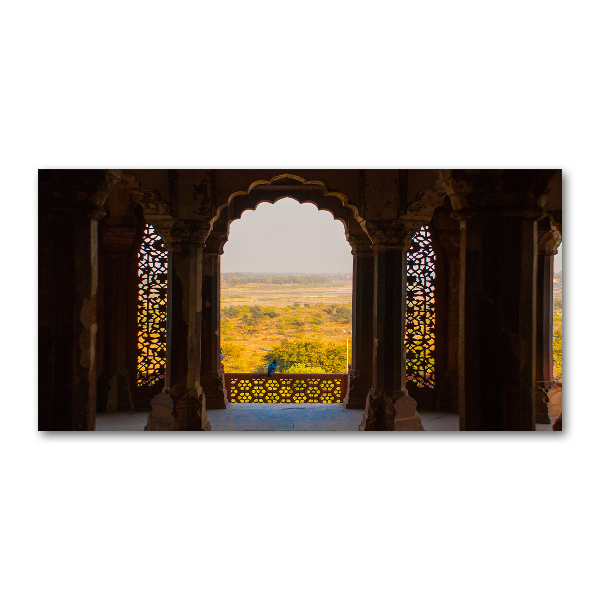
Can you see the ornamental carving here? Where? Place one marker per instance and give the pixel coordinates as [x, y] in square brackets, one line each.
[188, 232]
[426, 202]
[549, 239]
[285, 388]
[393, 234]
[508, 192]
[152, 203]
[152, 309]
[556, 218]
[286, 184]
[202, 197]
[420, 310]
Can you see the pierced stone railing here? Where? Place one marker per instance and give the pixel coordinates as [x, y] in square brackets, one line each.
[286, 387]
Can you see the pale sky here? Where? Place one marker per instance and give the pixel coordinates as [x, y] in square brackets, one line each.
[289, 237]
[286, 237]
[558, 260]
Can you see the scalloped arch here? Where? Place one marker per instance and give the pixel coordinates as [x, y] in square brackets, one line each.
[330, 199]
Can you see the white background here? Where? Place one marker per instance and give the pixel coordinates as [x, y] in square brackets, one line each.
[271, 84]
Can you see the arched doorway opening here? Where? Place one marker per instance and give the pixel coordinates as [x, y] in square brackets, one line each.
[286, 291]
[286, 297]
[317, 194]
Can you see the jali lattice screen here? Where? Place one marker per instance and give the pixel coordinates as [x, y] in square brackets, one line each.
[152, 309]
[285, 387]
[420, 310]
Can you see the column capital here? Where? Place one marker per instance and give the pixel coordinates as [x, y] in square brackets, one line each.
[548, 238]
[394, 234]
[190, 233]
[181, 233]
[556, 218]
[497, 192]
[360, 247]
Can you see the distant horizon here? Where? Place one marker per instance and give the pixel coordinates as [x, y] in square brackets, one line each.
[289, 272]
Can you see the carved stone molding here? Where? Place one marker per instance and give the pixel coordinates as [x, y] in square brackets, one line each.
[426, 202]
[396, 234]
[215, 244]
[202, 197]
[395, 411]
[187, 232]
[502, 192]
[548, 241]
[288, 184]
[111, 178]
[152, 203]
[180, 233]
[556, 219]
[361, 248]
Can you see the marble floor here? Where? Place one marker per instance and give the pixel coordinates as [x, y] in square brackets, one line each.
[275, 417]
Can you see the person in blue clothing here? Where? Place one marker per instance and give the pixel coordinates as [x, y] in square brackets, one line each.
[272, 368]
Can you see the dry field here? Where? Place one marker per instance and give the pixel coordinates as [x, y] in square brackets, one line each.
[257, 318]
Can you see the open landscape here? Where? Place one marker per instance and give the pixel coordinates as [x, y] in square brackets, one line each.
[557, 326]
[300, 319]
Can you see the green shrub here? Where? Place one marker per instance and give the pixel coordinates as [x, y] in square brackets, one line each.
[232, 351]
[327, 356]
[343, 315]
[557, 354]
[231, 311]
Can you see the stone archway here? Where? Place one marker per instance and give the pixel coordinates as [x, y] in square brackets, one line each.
[303, 191]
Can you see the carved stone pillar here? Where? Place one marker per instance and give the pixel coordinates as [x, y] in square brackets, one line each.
[361, 372]
[70, 204]
[547, 247]
[497, 212]
[182, 405]
[117, 371]
[388, 406]
[211, 376]
[446, 233]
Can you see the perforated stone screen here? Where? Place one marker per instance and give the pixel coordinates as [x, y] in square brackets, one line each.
[284, 387]
[152, 309]
[420, 310]
[420, 329]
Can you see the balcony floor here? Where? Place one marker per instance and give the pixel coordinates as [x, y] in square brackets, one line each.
[275, 417]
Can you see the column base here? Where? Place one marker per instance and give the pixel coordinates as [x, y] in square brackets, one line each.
[216, 403]
[214, 391]
[542, 415]
[356, 397]
[178, 410]
[555, 408]
[386, 413]
[356, 401]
